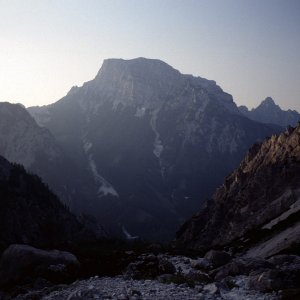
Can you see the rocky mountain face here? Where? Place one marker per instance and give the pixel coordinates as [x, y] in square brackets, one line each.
[269, 112]
[257, 208]
[24, 142]
[153, 142]
[30, 213]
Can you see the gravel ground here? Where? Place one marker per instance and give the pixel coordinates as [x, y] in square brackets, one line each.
[117, 288]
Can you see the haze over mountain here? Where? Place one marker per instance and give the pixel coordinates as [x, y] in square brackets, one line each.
[211, 38]
[24, 142]
[156, 142]
[269, 112]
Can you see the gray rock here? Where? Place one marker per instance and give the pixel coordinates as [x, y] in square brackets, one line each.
[211, 289]
[217, 258]
[149, 267]
[267, 281]
[165, 278]
[289, 294]
[274, 280]
[200, 264]
[198, 276]
[166, 267]
[19, 262]
[241, 266]
[284, 260]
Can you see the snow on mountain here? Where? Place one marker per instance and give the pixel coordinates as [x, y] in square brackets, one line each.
[159, 140]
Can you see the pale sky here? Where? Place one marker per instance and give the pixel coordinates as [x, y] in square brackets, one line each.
[251, 48]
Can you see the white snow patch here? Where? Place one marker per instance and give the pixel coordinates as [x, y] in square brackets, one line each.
[140, 112]
[158, 146]
[87, 146]
[105, 188]
[128, 235]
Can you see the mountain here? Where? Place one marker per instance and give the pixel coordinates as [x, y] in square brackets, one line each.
[156, 142]
[24, 142]
[257, 207]
[30, 213]
[269, 112]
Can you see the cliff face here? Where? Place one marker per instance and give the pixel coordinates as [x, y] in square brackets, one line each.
[258, 205]
[149, 140]
[24, 142]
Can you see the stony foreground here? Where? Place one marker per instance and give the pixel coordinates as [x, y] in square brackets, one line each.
[216, 276]
[119, 289]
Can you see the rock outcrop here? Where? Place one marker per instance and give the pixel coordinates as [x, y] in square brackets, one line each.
[257, 208]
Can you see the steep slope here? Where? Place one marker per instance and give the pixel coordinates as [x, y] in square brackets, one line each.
[269, 112]
[30, 213]
[22, 141]
[153, 139]
[258, 206]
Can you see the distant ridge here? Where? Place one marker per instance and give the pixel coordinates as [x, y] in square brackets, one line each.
[269, 112]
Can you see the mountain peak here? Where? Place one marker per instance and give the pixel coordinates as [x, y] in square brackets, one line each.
[268, 101]
[270, 112]
[137, 67]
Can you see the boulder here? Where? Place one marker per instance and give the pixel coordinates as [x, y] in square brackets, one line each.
[217, 258]
[149, 267]
[155, 248]
[200, 264]
[268, 281]
[275, 280]
[198, 277]
[289, 294]
[241, 266]
[166, 267]
[22, 262]
[284, 260]
[211, 288]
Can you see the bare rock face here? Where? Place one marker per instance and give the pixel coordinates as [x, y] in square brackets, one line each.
[22, 262]
[257, 208]
[24, 142]
[149, 140]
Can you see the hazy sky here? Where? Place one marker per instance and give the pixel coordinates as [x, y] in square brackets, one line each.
[250, 47]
